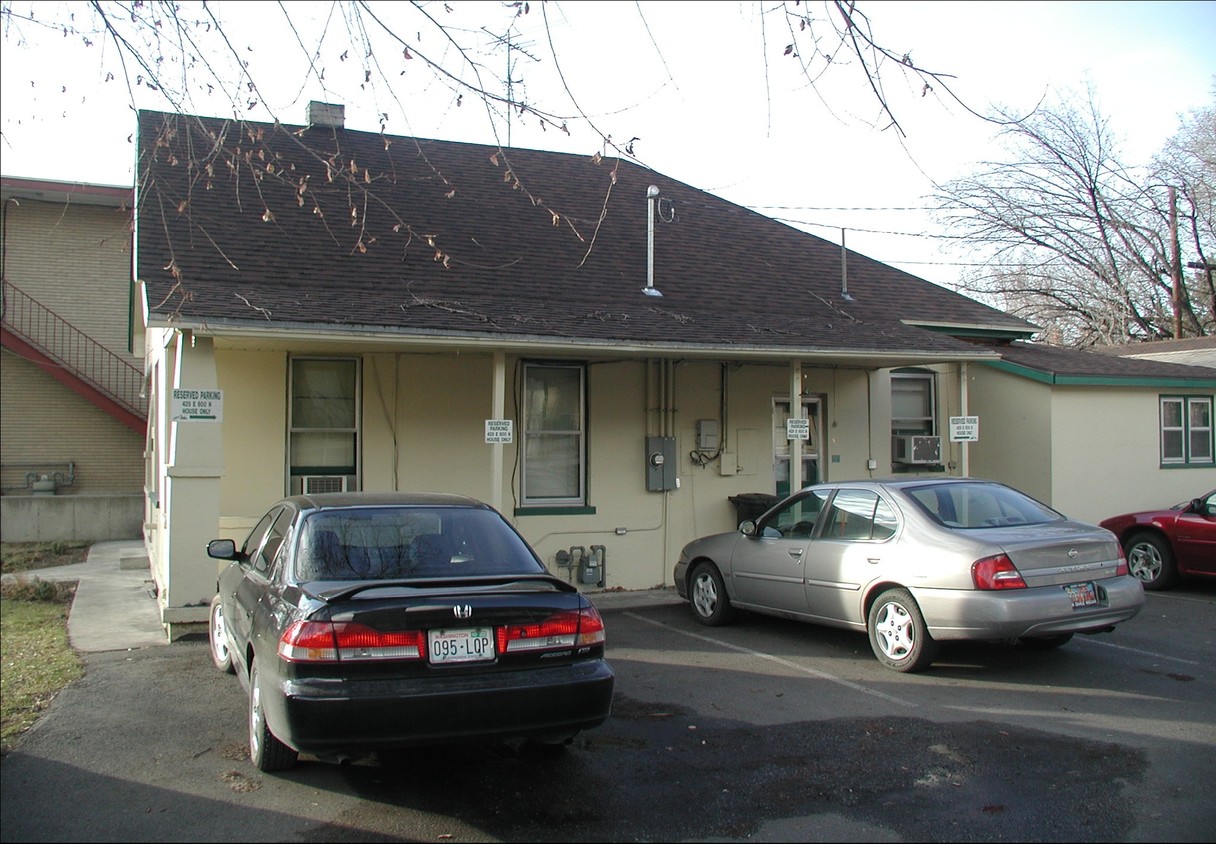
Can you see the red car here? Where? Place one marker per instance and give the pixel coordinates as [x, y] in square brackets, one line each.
[1164, 545]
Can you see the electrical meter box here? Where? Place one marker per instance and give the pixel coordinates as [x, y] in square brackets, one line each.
[707, 435]
[660, 464]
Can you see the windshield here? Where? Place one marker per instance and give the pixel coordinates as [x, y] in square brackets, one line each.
[396, 543]
[977, 505]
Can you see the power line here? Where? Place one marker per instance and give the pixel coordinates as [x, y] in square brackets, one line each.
[889, 232]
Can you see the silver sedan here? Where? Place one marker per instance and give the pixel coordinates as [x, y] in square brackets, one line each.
[913, 562]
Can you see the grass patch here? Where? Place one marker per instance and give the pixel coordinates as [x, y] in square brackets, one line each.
[17, 557]
[36, 657]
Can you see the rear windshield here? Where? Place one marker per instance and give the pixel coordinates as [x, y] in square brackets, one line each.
[383, 543]
[974, 505]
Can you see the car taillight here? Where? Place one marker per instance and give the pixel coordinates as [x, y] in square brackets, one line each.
[560, 630]
[997, 572]
[1122, 568]
[322, 641]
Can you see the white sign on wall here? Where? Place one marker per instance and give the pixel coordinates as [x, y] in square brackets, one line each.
[797, 429]
[500, 430]
[197, 404]
[964, 429]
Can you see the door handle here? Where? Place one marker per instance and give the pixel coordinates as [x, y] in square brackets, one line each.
[873, 560]
[795, 552]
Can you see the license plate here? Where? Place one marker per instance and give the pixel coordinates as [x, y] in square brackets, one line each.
[475, 644]
[1082, 594]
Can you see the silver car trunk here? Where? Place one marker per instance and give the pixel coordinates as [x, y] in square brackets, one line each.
[1071, 552]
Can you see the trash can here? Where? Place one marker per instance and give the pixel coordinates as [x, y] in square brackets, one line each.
[751, 505]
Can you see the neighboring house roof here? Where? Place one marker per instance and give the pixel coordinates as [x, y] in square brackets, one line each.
[322, 229]
[1193, 351]
[69, 193]
[1059, 365]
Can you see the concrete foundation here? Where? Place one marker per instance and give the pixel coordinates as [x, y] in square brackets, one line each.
[79, 518]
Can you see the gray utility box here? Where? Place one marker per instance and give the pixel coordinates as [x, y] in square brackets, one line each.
[661, 467]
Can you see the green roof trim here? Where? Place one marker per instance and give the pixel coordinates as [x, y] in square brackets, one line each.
[1099, 380]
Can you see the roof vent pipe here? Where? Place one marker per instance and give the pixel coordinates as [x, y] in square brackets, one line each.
[652, 196]
[844, 270]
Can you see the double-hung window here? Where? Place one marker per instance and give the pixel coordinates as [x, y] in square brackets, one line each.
[912, 403]
[1186, 431]
[913, 419]
[323, 445]
[554, 435]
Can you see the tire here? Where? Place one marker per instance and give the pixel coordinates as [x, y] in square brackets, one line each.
[707, 596]
[1150, 560]
[899, 636]
[266, 752]
[217, 637]
[1045, 643]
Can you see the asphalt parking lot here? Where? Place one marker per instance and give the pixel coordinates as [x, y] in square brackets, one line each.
[765, 730]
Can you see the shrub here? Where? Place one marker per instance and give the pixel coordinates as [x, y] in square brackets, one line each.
[37, 589]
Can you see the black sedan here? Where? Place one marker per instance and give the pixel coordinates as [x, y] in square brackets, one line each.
[363, 622]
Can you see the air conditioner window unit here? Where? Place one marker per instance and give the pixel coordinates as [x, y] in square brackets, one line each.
[316, 484]
[916, 449]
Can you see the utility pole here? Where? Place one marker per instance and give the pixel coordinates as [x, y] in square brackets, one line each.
[1175, 264]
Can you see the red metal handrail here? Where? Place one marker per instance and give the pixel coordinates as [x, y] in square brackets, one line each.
[68, 346]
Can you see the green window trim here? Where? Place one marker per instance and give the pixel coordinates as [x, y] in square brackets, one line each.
[1186, 432]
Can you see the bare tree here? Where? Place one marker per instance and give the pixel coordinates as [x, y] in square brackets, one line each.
[1081, 243]
[193, 55]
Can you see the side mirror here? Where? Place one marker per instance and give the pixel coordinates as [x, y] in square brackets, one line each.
[747, 527]
[222, 549]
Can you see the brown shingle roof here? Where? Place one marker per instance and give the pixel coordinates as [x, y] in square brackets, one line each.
[291, 226]
[1061, 364]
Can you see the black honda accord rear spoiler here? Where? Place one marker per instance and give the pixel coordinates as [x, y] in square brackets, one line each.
[504, 583]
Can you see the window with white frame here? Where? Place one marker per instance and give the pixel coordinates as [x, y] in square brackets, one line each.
[913, 419]
[912, 403]
[554, 435]
[1186, 431]
[323, 442]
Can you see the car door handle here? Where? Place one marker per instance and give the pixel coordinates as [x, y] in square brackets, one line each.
[795, 552]
[873, 560]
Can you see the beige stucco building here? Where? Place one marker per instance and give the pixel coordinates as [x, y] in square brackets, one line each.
[615, 385]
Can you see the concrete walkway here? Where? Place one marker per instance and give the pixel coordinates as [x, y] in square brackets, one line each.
[115, 607]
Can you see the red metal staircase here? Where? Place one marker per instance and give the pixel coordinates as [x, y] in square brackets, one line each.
[35, 332]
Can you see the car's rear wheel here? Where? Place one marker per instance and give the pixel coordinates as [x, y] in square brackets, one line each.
[1150, 560]
[265, 750]
[217, 636]
[707, 594]
[1045, 643]
[898, 633]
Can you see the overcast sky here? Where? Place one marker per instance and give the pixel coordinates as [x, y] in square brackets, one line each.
[705, 88]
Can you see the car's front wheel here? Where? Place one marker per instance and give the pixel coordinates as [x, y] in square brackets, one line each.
[707, 594]
[1150, 559]
[265, 750]
[898, 633]
[217, 636]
